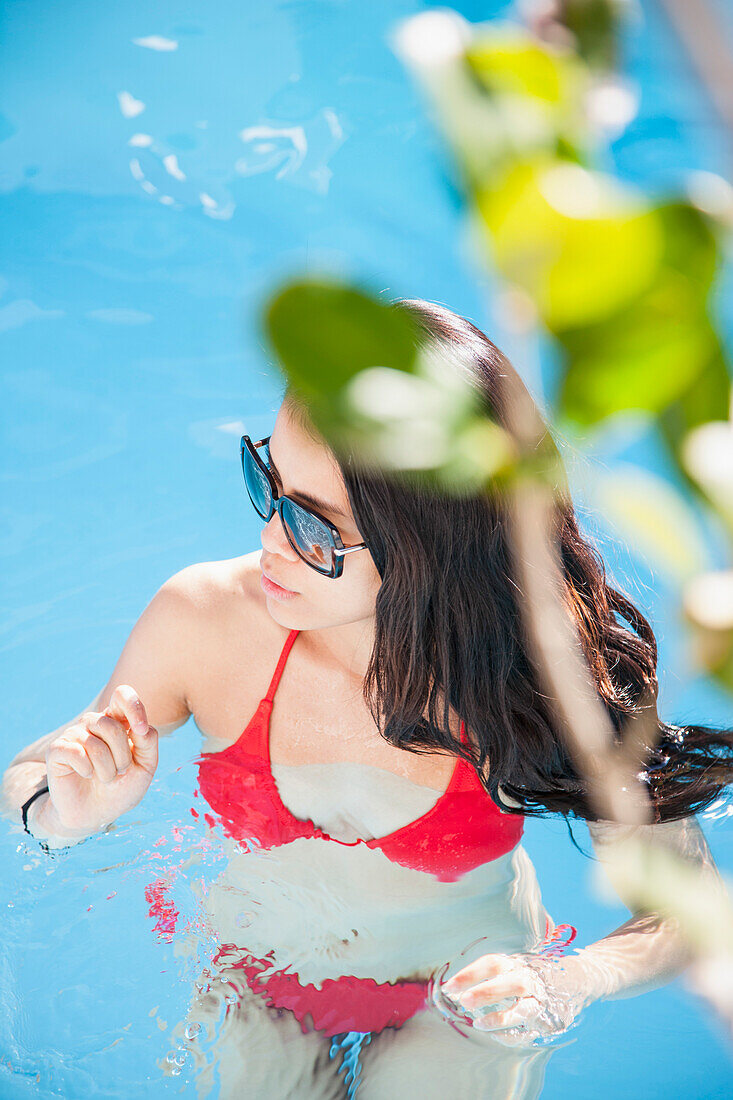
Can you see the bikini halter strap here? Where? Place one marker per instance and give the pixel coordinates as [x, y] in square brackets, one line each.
[281, 664]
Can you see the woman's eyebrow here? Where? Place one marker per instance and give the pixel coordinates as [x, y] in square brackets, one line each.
[307, 498]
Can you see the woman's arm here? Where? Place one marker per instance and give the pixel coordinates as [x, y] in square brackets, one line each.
[157, 660]
[645, 952]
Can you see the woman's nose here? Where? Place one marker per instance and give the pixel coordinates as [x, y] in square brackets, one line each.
[274, 539]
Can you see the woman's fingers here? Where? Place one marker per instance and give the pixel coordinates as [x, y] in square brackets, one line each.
[516, 1016]
[491, 980]
[99, 745]
[126, 706]
[517, 984]
[114, 735]
[488, 966]
[100, 755]
[69, 755]
[85, 754]
[535, 1006]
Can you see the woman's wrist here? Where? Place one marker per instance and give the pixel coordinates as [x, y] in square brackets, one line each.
[578, 976]
[44, 824]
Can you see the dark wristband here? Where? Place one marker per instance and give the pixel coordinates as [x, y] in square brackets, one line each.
[33, 797]
[37, 794]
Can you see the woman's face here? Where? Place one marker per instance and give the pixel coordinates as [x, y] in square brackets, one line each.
[307, 466]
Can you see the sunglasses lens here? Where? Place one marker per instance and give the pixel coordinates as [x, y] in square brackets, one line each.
[309, 535]
[257, 484]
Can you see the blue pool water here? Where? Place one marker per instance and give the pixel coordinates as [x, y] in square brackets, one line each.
[149, 199]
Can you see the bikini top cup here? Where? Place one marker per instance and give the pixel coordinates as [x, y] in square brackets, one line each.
[348, 800]
[462, 830]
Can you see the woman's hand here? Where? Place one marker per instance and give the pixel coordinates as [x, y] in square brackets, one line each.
[545, 992]
[100, 767]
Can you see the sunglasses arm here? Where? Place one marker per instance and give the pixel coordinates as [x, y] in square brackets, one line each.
[348, 549]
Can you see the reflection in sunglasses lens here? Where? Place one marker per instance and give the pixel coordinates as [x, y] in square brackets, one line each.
[257, 485]
[309, 534]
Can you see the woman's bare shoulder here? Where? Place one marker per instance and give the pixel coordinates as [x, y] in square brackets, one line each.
[219, 585]
[235, 644]
[229, 594]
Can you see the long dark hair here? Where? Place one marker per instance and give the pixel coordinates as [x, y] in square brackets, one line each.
[449, 631]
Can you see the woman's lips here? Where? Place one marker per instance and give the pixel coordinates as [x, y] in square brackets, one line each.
[272, 589]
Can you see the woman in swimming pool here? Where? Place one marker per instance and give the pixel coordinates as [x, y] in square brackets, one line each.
[372, 806]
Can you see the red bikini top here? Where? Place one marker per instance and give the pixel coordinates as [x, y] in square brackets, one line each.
[463, 830]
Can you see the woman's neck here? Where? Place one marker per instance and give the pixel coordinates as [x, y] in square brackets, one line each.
[346, 648]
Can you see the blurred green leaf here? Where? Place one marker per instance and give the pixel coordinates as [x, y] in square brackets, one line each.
[405, 421]
[580, 244]
[481, 452]
[643, 358]
[723, 673]
[706, 398]
[326, 332]
[691, 243]
[511, 61]
[370, 389]
[594, 24]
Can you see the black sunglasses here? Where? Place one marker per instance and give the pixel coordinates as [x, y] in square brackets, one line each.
[311, 535]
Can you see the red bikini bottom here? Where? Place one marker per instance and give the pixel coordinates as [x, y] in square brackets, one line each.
[340, 1005]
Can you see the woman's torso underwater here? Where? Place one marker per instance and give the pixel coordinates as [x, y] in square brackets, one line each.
[346, 857]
